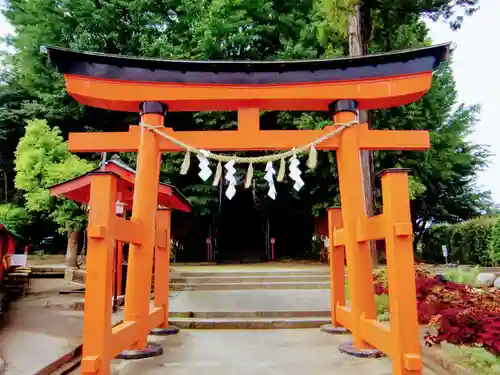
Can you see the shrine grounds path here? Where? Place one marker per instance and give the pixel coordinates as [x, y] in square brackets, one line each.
[250, 352]
[45, 325]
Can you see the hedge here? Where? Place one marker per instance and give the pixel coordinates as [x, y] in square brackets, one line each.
[468, 242]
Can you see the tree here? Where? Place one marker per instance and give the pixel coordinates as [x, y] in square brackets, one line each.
[448, 169]
[357, 19]
[14, 218]
[261, 30]
[11, 129]
[42, 160]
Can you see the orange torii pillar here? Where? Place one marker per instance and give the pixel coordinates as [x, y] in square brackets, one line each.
[358, 256]
[400, 340]
[125, 84]
[140, 258]
[162, 272]
[98, 350]
[337, 272]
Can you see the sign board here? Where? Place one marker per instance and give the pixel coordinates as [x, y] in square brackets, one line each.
[18, 260]
[445, 251]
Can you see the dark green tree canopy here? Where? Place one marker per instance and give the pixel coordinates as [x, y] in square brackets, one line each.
[443, 181]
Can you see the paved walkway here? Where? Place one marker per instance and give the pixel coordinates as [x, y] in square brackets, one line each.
[268, 352]
[251, 300]
[34, 336]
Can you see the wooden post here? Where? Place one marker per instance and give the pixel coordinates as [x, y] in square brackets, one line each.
[162, 262]
[140, 262]
[337, 260]
[119, 271]
[359, 263]
[97, 334]
[400, 270]
[360, 29]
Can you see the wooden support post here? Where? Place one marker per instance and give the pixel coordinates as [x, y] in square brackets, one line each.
[119, 271]
[400, 269]
[359, 263]
[140, 262]
[162, 262]
[97, 335]
[337, 260]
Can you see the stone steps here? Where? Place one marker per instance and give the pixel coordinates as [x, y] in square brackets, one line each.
[249, 285]
[250, 272]
[251, 299]
[250, 323]
[250, 279]
[249, 314]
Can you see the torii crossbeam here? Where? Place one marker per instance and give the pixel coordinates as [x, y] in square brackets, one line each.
[343, 86]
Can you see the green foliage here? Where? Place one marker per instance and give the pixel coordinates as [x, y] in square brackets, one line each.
[415, 187]
[448, 169]
[14, 218]
[442, 185]
[475, 358]
[468, 242]
[382, 305]
[463, 275]
[434, 238]
[42, 160]
[494, 245]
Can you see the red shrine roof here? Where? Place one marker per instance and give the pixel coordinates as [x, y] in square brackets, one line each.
[122, 82]
[3, 228]
[78, 189]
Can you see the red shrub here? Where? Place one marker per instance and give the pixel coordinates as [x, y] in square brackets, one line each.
[380, 289]
[460, 314]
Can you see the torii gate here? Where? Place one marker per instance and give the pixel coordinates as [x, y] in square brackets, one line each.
[345, 85]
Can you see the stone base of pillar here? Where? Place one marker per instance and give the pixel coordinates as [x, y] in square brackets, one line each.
[152, 350]
[170, 330]
[328, 328]
[349, 348]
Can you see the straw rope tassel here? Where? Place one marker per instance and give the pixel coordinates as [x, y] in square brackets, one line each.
[218, 174]
[185, 163]
[282, 170]
[313, 158]
[249, 176]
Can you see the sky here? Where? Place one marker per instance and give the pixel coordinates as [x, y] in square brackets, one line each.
[476, 75]
[478, 80]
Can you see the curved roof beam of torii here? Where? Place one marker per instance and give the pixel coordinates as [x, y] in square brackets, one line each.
[122, 82]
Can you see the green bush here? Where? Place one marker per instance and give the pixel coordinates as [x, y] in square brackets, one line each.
[463, 275]
[494, 245]
[468, 242]
[15, 218]
[382, 304]
[432, 242]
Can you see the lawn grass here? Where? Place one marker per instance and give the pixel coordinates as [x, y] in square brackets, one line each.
[476, 358]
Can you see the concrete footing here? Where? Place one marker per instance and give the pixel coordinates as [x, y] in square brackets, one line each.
[328, 328]
[349, 348]
[167, 331]
[152, 350]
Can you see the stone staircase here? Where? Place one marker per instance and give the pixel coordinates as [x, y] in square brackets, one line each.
[253, 298]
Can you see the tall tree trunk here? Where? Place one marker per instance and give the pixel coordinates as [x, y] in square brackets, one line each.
[6, 186]
[359, 24]
[72, 249]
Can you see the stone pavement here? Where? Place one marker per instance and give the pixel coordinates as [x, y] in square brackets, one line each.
[251, 300]
[267, 352]
[34, 336]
